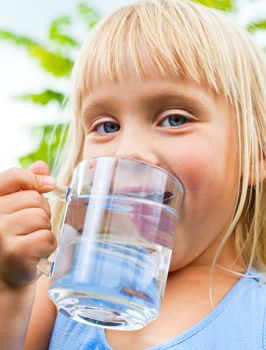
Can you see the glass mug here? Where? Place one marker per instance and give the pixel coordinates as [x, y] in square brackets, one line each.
[115, 246]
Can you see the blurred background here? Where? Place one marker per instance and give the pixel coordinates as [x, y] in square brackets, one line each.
[39, 41]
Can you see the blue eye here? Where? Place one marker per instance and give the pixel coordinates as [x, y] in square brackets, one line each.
[107, 127]
[174, 120]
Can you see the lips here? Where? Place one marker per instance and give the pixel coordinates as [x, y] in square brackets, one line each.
[146, 193]
[155, 223]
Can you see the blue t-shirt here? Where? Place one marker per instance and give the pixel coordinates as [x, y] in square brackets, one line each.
[237, 323]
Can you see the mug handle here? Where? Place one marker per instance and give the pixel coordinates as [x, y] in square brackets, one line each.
[59, 193]
[45, 266]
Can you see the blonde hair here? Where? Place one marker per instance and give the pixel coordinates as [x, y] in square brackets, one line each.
[188, 40]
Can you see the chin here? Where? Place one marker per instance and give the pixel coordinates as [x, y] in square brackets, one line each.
[179, 264]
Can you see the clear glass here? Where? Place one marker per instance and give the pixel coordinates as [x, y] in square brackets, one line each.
[116, 242]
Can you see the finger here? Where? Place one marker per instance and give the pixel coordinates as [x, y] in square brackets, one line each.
[24, 222]
[22, 200]
[39, 168]
[22, 254]
[15, 179]
[36, 245]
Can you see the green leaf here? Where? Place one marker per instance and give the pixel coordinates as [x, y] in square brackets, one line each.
[51, 139]
[224, 5]
[19, 40]
[254, 26]
[54, 57]
[43, 98]
[88, 15]
[57, 32]
[54, 63]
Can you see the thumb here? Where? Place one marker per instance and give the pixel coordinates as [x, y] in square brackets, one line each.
[43, 182]
[39, 168]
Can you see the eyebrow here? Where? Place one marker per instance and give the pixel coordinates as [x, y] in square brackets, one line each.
[95, 104]
[191, 103]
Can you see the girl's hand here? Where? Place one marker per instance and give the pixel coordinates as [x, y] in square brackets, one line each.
[25, 227]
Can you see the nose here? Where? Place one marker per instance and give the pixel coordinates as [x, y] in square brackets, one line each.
[137, 145]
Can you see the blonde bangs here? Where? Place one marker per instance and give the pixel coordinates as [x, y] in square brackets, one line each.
[177, 38]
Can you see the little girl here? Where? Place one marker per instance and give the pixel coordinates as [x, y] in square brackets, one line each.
[174, 84]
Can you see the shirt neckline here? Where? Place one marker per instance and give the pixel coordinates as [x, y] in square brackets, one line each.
[204, 322]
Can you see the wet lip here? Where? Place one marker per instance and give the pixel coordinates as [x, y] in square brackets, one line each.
[146, 193]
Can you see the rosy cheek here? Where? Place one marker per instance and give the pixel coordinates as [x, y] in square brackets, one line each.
[193, 170]
[204, 182]
[209, 192]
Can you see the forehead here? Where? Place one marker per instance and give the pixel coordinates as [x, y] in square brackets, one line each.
[150, 80]
[134, 93]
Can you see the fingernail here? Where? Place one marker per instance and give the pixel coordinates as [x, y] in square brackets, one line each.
[49, 180]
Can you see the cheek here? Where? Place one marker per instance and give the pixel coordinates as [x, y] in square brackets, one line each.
[207, 169]
[210, 181]
[206, 191]
[198, 169]
[92, 149]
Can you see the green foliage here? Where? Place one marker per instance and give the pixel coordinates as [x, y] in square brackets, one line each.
[43, 98]
[224, 5]
[52, 138]
[55, 56]
[89, 16]
[259, 25]
[57, 32]
[18, 40]
[52, 62]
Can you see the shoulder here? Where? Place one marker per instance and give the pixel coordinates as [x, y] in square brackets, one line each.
[250, 309]
[255, 289]
[252, 294]
[238, 322]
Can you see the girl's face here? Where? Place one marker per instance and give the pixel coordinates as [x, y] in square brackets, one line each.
[184, 128]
